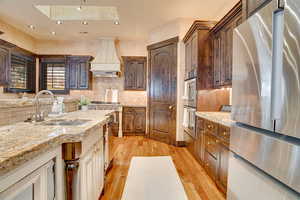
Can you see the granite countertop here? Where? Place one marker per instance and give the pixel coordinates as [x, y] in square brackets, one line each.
[14, 103]
[223, 118]
[23, 141]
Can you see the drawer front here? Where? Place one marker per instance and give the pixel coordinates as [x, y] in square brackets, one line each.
[210, 127]
[211, 145]
[224, 133]
[128, 109]
[211, 165]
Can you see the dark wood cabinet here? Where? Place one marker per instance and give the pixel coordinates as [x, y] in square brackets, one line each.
[135, 73]
[79, 69]
[198, 54]
[222, 41]
[4, 66]
[134, 120]
[211, 149]
[251, 6]
[222, 170]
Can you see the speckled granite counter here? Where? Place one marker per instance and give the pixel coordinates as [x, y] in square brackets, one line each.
[23, 141]
[223, 118]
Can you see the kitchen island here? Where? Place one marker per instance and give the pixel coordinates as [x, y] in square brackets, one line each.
[59, 156]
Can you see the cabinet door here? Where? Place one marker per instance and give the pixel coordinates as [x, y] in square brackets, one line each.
[4, 67]
[87, 183]
[73, 70]
[140, 67]
[188, 58]
[223, 167]
[211, 164]
[217, 56]
[140, 121]
[128, 122]
[83, 75]
[130, 75]
[226, 67]
[37, 185]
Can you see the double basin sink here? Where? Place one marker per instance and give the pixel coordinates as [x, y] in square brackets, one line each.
[65, 122]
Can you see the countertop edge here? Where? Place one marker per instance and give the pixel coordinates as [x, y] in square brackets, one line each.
[211, 117]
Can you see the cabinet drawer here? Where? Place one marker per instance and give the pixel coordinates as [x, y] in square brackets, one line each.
[210, 127]
[128, 109]
[224, 133]
[211, 145]
[211, 165]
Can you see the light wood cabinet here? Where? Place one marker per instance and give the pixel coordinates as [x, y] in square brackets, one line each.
[91, 170]
[40, 184]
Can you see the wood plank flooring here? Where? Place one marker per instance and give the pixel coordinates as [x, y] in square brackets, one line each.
[197, 184]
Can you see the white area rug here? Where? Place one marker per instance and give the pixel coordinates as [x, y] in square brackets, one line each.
[153, 178]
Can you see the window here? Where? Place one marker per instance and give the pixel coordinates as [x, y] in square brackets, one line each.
[54, 73]
[22, 74]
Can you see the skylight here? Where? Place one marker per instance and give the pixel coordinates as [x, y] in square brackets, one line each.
[85, 13]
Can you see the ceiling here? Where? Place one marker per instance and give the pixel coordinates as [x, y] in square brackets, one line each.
[137, 17]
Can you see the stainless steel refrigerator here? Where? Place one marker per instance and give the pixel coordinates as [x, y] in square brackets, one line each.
[265, 142]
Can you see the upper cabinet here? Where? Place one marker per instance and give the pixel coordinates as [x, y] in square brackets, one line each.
[198, 54]
[251, 6]
[4, 66]
[79, 68]
[135, 68]
[222, 40]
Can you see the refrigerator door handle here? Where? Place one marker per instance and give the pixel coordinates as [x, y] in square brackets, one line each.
[277, 65]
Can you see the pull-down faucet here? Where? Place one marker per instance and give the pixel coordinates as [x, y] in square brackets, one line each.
[38, 114]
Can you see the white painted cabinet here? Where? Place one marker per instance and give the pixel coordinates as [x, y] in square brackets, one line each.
[90, 177]
[39, 184]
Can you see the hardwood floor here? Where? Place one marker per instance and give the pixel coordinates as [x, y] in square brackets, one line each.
[197, 184]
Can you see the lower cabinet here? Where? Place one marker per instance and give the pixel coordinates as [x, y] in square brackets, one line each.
[211, 148]
[134, 120]
[91, 173]
[40, 184]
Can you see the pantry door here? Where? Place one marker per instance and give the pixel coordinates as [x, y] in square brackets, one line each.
[162, 90]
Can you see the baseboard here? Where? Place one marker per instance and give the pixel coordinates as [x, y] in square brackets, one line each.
[180, 144]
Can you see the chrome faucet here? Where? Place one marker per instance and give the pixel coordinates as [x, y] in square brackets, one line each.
[39, 116]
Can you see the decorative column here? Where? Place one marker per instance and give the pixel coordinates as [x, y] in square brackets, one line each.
[71, 153]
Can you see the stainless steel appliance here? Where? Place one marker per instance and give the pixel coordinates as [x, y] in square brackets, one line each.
[191, 93]
[265, 142]
[189, 124]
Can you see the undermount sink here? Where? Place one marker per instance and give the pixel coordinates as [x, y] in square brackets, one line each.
[64, 122]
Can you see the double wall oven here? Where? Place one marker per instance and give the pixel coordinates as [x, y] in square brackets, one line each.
[190, 99]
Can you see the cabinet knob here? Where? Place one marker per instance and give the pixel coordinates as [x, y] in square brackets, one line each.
[217, 141]
[208, 143]
[224, 133]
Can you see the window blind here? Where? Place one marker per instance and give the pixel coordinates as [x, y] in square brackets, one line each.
[55, 76]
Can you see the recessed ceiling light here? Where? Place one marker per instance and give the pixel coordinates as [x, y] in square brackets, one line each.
[59, 22]
[85, 23]
[31, 26]
[117, 23]
[53, 33]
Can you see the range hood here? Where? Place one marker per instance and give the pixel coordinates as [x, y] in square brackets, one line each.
[106, 62]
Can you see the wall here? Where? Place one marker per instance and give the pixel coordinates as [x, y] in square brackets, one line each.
[20, 39]
[99, 85]
[175, 28]
[212, 100]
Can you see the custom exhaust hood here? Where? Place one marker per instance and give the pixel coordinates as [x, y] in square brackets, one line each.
[106, 62]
